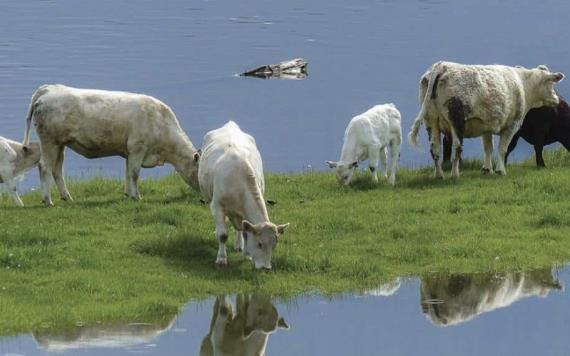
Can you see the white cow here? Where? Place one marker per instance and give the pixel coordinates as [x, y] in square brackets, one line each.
[453, 299]
[99, 123]
[243, 331]
[15, 160]
[366, 138]
[231, 178]
[479, 100]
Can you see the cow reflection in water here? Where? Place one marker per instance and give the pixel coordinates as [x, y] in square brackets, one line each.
[451, 299]
[103, 336]
[244, 331]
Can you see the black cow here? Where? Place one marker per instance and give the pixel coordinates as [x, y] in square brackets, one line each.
[542, 126]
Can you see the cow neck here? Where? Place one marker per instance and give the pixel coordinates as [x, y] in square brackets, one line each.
[348, 153]
[530, 81]
[255, 209]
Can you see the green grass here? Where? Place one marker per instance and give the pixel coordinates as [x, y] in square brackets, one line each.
[105, 258]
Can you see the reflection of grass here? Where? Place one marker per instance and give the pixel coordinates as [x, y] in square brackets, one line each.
[105, 257]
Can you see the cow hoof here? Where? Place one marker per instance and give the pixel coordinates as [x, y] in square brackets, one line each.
[48, 204]
[239, 249]
[222, 262]
[68, 199]
[486, 171]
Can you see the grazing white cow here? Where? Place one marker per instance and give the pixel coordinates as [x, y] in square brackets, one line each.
[367, 137]
[100, 123]
[479, 100]
[243, 332]
[15, 160]
[231, 178]
[449, 299]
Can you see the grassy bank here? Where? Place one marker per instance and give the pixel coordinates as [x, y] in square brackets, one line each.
[105, 257]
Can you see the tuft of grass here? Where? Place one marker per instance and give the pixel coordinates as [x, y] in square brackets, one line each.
[106, 258]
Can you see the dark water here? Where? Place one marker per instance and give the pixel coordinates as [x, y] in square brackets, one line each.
[518, 313]
[187, 53]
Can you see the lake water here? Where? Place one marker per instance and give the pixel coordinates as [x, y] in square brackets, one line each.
[187, 53]
[360, 53]
[482, 314]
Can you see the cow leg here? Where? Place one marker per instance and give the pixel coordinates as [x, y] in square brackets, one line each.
[373, 160]
[11, 187]
[239, 241]
[127, 178]
[435, 150]
[47, 164]
[457, 113]
[58, 176]
[504, 141]
[134, 162]
[221, 234]
[488, 148]
[538, 156]
[383, 159]
[512, 146]
[394, 158]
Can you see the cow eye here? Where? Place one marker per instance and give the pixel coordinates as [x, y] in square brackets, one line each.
[259, 245]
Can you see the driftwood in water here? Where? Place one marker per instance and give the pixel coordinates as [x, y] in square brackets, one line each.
[292, 69]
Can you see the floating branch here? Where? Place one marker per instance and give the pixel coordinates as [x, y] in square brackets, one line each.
[291, 69]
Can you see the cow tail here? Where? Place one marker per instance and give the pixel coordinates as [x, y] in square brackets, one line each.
[415, 129]
[28, 126]
[39, 92]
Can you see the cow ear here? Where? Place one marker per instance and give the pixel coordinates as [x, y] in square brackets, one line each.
[353, 164]
[281, 323]
[247, 226]
[556, 77]
[543, 67]
[281, 228]
[332, 164]
[197, 155]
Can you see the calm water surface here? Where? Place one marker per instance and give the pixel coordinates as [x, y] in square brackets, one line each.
[360, 53]
[187, 53]
[482, 314]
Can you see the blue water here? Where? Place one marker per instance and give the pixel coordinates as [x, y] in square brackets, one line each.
[504, 314]
[187, 53]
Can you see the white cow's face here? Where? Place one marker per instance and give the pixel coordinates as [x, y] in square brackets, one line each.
[260, 240]
[343, 171]
[189, 170]
[261, 315]
[544, 81]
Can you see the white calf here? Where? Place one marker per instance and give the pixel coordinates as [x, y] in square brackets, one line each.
[14, 162]
[366, 138]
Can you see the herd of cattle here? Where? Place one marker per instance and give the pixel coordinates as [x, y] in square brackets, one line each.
[458, 101]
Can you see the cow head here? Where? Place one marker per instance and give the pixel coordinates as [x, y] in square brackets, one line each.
[187, 167]
[540, 87]
[260, 240]
[344, 171]
[261, 315]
